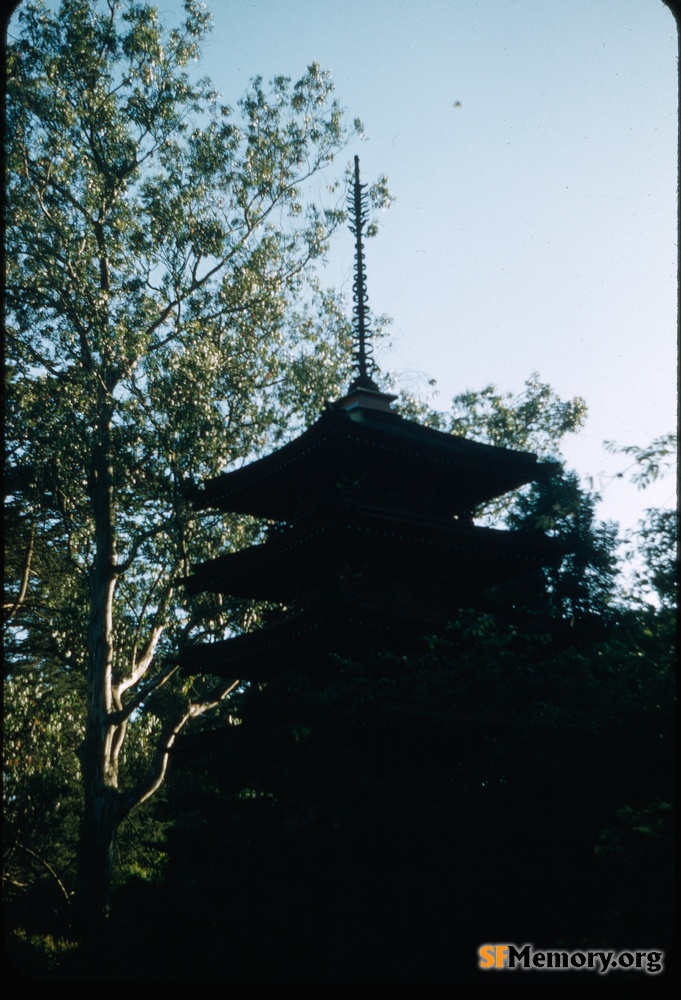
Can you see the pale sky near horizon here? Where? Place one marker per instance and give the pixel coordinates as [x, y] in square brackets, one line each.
[535, 225]
[531, 148]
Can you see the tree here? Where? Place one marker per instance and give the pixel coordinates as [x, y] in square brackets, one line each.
[157, 243]
[655, 543]
[535, 420]
[583, 585]
[366, 795]
[658, 546]
[365, 798]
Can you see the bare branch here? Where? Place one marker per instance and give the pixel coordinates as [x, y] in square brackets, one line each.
[139, 540]
[35, 354]
[49, 868]
[150, 784]
[143, 663]
[161, 678]
[25, 575]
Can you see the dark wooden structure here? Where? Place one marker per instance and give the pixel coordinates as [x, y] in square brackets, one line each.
[372, 537]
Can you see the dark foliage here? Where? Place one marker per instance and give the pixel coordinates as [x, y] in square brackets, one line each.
[378, 821]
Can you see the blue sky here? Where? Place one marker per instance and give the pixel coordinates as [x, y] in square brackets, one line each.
[534, 226]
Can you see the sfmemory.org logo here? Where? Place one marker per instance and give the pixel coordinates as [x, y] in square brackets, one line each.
[510, 956]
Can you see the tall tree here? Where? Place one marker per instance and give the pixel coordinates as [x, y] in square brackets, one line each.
[162, 320]
[583, 585]
[653, 547]
[536, 419]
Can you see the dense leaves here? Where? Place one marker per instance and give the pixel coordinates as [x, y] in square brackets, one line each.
[535, 420]
[164, 322]
[162, 317]
[389, 814]
[583, 584]
[653, 547]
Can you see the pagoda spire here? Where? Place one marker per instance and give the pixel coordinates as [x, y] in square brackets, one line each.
[358, 204]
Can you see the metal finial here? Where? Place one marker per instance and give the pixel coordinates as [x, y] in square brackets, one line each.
[358, 203]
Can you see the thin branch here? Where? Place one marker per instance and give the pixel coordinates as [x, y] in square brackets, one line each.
[144, 536]
[35, 354]
[143, 663]
[49, 868]
[62, 190]
[145, 788]
[25, 575]
[161, 678]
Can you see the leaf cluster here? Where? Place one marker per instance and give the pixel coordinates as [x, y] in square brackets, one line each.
[164, 321]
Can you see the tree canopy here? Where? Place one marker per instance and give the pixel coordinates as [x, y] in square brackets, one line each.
[164, 319]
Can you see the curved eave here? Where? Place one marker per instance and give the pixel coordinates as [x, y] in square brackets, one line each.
[300, 640]
[315, 554]
[373, 447]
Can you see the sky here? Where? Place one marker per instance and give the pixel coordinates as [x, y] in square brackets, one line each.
[531, 149]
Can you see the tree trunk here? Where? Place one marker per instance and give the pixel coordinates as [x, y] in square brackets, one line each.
[105, 806]
[102, 801]
[97, 840]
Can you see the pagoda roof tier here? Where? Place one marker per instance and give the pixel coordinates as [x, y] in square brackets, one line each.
[303, 641]
[352, 542]
[376, 450]
[300, 640]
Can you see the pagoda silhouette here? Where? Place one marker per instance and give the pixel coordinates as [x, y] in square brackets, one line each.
[372, 541]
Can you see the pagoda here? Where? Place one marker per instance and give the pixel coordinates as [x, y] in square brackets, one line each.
[372, 540]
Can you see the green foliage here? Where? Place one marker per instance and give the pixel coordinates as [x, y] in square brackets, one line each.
[42, 734]
[41, 797]
[651, 462]
[653, 547]
[163, 321]
[657, 545]
[382, 807]
[584, 582]
[535, 420]
[39, 956]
